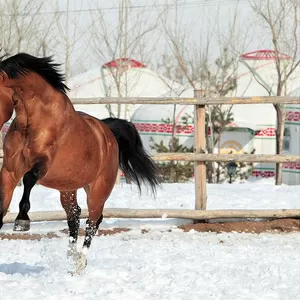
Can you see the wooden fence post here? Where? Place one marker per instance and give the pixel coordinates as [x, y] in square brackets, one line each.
[199, 147]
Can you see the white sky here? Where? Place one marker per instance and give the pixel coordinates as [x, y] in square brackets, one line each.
[195, 20]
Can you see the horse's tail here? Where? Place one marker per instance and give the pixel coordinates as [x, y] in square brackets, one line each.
[133, 159]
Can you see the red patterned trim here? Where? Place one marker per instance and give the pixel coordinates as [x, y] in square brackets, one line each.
[5, 127]
[5, 130]
[164, 128]
[232, 124]
[265, 55]
[189, 129]
[292, 116]
[264, 174]
[266, 132]
[124, 62]
[291, 166]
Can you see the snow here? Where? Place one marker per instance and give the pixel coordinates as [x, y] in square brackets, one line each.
[157, 265]
[164, 263]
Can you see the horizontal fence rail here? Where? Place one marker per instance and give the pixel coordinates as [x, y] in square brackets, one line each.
[251, 158]
[189, 101]
[134, 100]
[206, 157]
[270, 158]
[164, 214]
[266, 158]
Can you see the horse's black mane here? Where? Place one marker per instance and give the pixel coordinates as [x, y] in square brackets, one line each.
[23, 63]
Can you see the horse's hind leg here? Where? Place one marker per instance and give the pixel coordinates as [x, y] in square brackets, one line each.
[69, 203]
[97, 194]
[22, 222]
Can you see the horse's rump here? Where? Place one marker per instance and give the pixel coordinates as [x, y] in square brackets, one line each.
[84, 151]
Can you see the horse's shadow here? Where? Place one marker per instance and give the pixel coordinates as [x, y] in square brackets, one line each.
[20, 268]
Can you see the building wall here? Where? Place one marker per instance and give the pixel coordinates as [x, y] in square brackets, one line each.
[264, 142]
[291, 171]
[238, 140]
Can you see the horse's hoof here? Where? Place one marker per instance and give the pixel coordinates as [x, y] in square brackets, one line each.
[22, 225]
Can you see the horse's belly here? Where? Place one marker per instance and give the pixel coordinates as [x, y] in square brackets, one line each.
[70, 173]
[66, 182]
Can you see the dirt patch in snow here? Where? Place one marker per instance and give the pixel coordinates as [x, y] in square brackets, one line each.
[27, 236]
[64, 232]
[275, 226]
[279, 225]
[100, 231]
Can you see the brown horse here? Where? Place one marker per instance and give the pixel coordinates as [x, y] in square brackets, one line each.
[63, 149]
[22, 222]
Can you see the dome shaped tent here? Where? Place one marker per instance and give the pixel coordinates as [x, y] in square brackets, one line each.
[119, 78]
[291, 141]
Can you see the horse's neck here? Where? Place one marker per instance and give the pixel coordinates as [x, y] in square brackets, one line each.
[38, 104]
[21, 118]
[43, 111]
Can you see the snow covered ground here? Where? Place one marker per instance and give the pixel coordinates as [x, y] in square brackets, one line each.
[163, 263]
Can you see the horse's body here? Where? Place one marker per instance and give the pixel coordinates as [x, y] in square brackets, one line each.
[50, 143]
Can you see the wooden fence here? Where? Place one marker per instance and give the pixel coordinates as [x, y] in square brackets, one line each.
[199, 157]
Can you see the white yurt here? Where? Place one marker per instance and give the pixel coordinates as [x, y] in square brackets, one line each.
[254, 126]
[291, 141]
[118, 78]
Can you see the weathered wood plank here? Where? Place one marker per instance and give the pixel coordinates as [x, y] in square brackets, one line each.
[272, 158]
[200, 147]
[43, 216]
[189, 101]
[134, 100]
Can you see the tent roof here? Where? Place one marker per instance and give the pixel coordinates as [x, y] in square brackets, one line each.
[138, 82]
[125, 63]
[264, 55]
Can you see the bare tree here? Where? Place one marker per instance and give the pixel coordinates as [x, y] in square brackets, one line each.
[195, 66]
[127, 39]
[68, 34]
[281, 20]
[24, 27]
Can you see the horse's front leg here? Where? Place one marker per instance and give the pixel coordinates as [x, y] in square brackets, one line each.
[7, 185]
[39, 169]
[22, 222]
